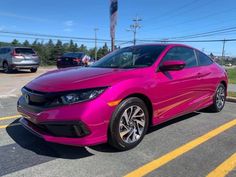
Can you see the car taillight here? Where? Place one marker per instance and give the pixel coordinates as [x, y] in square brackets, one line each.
[78, 60]
[16, 55]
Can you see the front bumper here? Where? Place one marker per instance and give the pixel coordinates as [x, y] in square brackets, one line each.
[93, 115]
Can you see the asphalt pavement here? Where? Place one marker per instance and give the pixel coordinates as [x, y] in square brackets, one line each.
[176, 148]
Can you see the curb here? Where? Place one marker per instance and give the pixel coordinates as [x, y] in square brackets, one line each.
[231, 99]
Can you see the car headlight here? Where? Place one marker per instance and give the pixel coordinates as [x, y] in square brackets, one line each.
[82, 95]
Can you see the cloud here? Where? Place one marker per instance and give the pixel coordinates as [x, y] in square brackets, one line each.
[12, 15]
[68, 25]
[67, 29]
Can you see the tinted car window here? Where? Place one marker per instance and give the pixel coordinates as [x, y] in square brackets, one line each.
[182, 53]
[24, 51]
[203, 59]
[2, 51]
[131, 57]
[7, 50]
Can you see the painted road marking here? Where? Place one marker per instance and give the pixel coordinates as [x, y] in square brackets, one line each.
[10, 117]
[224, 168]
[155, 164]
[10, 125]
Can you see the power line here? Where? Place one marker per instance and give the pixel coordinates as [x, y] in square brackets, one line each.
[179, 41]
[55, 36]
[225, 30]
[177, 11]
[40, 38]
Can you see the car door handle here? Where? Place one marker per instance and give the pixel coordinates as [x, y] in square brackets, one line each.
[199, 75]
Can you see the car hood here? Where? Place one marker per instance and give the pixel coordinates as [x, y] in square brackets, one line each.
[78, 78]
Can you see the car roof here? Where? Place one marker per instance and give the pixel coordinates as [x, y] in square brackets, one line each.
[168, 45]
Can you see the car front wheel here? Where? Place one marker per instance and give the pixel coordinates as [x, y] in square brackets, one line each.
[128, 124]
[219, 99]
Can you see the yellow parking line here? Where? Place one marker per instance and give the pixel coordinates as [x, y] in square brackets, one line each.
[224, 168]
[155, 164]
[9, 117]
[10, 125]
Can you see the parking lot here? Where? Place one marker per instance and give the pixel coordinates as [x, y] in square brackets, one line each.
[198, 144]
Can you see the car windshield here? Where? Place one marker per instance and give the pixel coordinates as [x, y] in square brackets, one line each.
[131, 57]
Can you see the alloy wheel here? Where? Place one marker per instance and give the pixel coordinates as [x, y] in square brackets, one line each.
[5, 67]
[220, 97]
[132, 124]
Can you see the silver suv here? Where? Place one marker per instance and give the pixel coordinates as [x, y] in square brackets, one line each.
[18, 58]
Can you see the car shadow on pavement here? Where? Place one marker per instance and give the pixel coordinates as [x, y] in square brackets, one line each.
[33, 143]
[110, 149]
[16, 72]
[172, 121]
[30, 142]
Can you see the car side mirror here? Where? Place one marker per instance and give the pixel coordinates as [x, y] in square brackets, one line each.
[172, 65]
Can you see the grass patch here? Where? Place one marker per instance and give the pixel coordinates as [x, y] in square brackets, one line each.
[232, 75]
[232, 94]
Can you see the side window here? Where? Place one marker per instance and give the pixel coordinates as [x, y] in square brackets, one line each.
[203, 59]
[8, 50]
[182, 53]
[1, 51]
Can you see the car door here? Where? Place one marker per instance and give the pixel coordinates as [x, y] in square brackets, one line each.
[207, 79]
[176, 90]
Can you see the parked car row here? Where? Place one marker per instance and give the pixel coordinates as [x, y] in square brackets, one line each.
[14, 58]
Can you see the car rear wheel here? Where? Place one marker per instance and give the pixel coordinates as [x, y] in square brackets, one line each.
[6, 68]
[219, 99]
[128, 124]
[33, 70]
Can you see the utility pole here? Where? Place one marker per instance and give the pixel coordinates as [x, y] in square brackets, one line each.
[223, 52]
[95, 40]
[133, 28]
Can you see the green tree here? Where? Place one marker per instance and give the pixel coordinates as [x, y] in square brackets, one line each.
[58, 49]
[83, 48]
[26, 43]
[15, 42]
[91, 52]
[103, 51]
[72, 47]
[50, 54]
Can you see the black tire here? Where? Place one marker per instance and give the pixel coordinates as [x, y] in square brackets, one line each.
[215, 107]
[114, 137]
[33, 70]
[6, 68]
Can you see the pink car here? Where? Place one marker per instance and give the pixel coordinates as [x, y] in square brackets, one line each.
[117, 98]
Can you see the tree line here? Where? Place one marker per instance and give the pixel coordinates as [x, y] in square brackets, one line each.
[49, 51]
